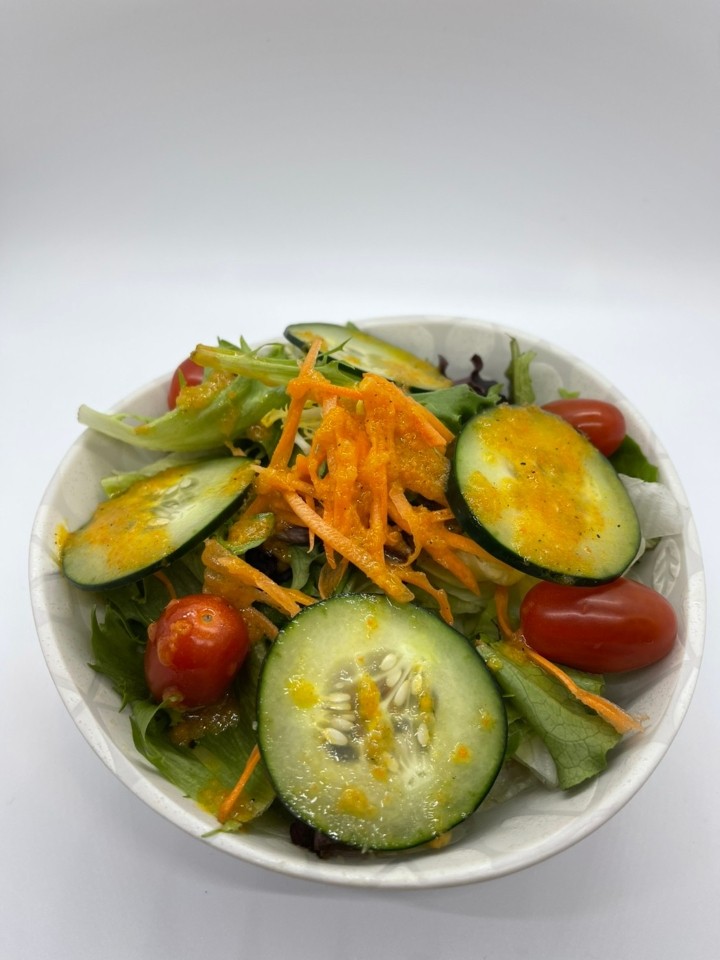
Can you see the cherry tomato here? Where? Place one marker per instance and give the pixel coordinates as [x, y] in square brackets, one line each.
[615, 627]
[601, 422]
[189, 373]
[194, 650]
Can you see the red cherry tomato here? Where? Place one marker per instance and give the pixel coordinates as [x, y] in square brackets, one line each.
[194, 650]
[619, 626]
[601, 422]
[189, 373]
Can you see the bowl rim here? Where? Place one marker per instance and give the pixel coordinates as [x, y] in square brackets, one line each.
[375, 871]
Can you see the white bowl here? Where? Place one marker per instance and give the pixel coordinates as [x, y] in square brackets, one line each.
[495, 841]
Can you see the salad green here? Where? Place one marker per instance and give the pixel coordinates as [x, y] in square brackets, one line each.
[315, 428]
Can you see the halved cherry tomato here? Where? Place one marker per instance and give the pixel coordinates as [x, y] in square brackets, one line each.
[619, 626]
[194, 650]
[601, 422]
[189, 373]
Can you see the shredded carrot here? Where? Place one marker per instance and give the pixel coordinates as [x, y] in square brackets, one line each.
[420, 579]
[227, 806]
[621, 721]
[258, 624]
[272, 478]
[165, 581]
[298, 390]
[284, 448]
[330, 577]
[503, 616]
[378, 572]
[433, 430]
[219, 560]
[364, 486]
[427, 534]
[239, 594]
[610, 712]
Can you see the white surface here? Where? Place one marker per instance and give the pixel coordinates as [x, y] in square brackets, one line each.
[177, 171]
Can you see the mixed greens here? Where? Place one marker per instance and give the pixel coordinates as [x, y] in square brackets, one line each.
[337, 487]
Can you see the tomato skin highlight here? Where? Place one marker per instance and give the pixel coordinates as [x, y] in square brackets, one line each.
[187, 373]
[194, 650]
[601, 422]
[616, 627]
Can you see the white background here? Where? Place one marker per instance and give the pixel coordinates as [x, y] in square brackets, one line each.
[174, 171]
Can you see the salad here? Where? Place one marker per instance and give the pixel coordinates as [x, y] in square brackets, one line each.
[373, 599]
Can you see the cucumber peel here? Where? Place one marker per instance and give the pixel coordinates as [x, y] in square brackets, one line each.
[364, 352]
[536, 494]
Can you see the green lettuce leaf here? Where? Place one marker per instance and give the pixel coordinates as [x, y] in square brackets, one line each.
[118, 655]
[518, 374]
[226, 418]
[577, 738]
[208, 768]
[271, 365]
[630, 460]
[301, 561]
[454, 406]
[142, 602]
[150, 723]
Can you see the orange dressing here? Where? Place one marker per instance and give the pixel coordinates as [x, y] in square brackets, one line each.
[129, 526]
[535, 460]
[302, 692]
[133, 528]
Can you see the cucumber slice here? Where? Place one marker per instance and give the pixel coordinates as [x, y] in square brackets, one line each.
[378, 724]
[365, 353]
[535, 493]
[154, 521]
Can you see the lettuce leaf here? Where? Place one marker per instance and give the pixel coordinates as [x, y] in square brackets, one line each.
[518, 374]
[118, 655]
[630, 460]
[454, 406]
[210, 766]
[150, 722]
[227, 417]
[271, 365]
[577, 739]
